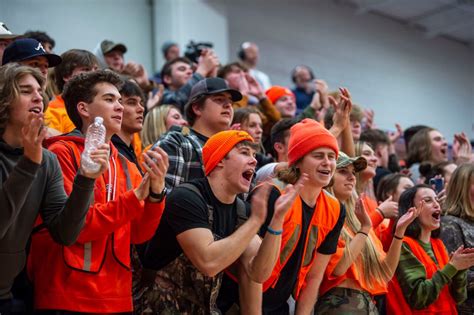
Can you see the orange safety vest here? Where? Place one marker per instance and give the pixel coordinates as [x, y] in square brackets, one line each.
[445, 304]
[325, 216]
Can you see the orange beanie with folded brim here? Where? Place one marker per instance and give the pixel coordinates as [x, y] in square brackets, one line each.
[275, 92]
[306, 136]
[217, 147]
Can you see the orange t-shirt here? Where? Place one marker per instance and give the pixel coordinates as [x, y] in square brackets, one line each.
[331, 281]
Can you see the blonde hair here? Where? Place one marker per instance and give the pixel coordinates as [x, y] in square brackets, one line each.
[369, 263]
[361, 186]
[155, 124]
[458, 202]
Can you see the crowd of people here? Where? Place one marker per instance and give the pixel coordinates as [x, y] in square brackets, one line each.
[218, 192]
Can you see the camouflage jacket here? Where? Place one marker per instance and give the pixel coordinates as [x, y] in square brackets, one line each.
[454, 233]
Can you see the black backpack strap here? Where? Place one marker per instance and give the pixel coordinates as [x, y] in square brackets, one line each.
[210, 209]
[241, 212]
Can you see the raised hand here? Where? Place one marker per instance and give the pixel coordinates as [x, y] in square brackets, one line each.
[255, 88]
[389, 208]
[322, 89]
[100, 156]
[237, 126]
[462, 258]
[208, 63]
[362, 215]
[156, 165]
[33, 134]
[394, 136]
[462, 149]
[284, 202]
[405, 220]
[342, 110]
[154, 100]
[369, 119]
[259, 203]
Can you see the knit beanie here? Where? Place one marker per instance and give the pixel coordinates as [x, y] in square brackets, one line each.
[217, 147]
[306, 136]
[275, 92]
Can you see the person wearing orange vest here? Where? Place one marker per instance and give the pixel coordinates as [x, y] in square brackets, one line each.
[428, 280]
[93, 274]
[203, 232]
[312, 225]
[359, 269]
[75, 61]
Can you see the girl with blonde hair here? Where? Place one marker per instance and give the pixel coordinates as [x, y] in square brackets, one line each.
[388, 208]
[360, 269]
[158, 121]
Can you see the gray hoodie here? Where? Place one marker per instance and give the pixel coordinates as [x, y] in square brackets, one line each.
[28, 189]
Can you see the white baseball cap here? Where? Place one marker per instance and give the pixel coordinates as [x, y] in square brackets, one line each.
[5, 33]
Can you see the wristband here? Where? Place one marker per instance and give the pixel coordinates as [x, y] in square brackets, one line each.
[397, 237]
[360, 232]
[274, 232]
[159, 196]
[380, 211]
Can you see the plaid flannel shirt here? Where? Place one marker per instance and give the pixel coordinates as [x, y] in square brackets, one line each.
[184, 148]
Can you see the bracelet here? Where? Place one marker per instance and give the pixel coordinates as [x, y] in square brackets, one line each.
[360, 232]
[397, 237]
[380, 211]
[159, 197]
[274, 232]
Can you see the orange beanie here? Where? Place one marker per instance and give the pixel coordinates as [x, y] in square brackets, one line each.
[217, 147]
[306, 136]
[275, 92]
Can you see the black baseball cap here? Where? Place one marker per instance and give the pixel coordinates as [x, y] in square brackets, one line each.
[212, 86]
[27, 48]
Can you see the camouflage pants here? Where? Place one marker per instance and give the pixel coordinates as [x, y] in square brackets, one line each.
[342, 301]
[178, 288]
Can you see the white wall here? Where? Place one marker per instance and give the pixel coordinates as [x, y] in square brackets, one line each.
[84, 23]
[389, 67]
[185, 20]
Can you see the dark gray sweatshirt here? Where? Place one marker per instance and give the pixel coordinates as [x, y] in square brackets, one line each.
[28, 189]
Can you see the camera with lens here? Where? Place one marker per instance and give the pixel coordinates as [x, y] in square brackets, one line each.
[194, 50]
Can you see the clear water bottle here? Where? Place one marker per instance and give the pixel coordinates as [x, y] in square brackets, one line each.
[95, 136]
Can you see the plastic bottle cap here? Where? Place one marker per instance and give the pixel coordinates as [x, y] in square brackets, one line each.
[99, 120]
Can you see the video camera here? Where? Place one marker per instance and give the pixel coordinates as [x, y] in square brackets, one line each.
[194, 50]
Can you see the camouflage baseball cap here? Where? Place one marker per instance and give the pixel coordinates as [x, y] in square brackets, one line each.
[344, 160]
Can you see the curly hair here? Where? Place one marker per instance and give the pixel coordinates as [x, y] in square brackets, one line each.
[10, 76]
[81, 88]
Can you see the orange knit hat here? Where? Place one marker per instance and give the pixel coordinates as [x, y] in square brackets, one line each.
[306, 136]
[275, 92]
[217, 147]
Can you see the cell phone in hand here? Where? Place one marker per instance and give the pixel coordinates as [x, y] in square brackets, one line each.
[437, 184]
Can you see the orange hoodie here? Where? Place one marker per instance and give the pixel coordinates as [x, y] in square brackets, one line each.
[56, 116]
[93, 275]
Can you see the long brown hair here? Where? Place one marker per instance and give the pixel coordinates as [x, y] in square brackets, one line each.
[10, 76]
[419, 147]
